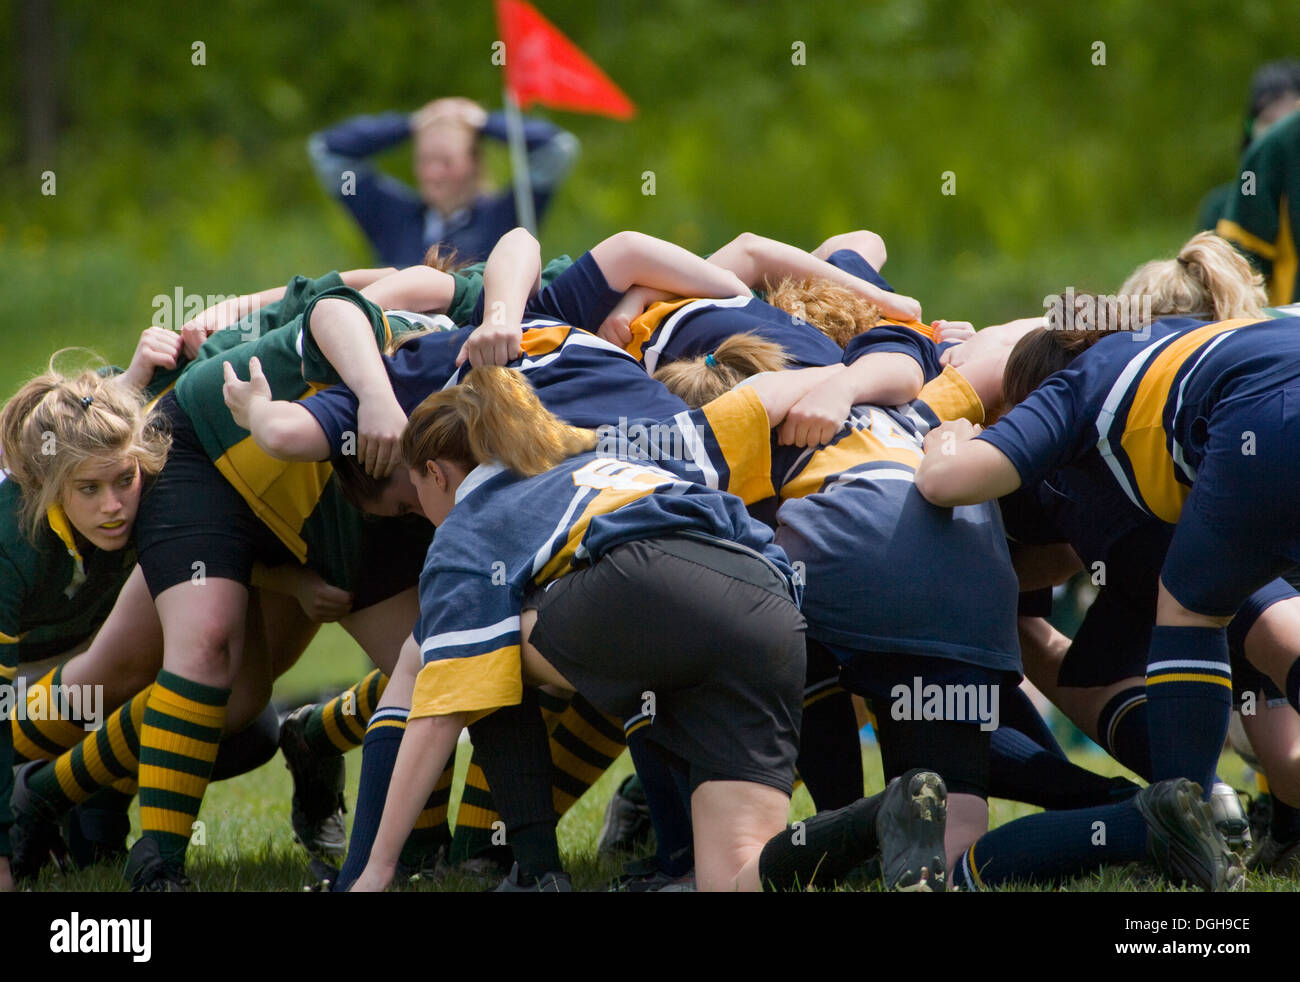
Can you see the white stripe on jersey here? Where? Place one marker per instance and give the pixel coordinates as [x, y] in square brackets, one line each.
[430, 322]
[576, 337]
[454, 639]
[1107, 416]
[1164, 666]
[545, 553]
[871, 474]
[1180, 460]
[694, 445]
[650, 356]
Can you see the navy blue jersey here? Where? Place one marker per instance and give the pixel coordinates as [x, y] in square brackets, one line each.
[579, 377]
[1132, 410]
[882, 569]
[508, 535]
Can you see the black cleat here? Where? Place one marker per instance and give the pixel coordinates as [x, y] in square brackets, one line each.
[552, 881]
[1183, 840]
[150, 873]
[318, 781]
[1272, 856]
[909, 828]
[627, 826]
[35, 834]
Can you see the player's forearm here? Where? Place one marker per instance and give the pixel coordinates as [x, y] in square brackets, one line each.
[511, 275]
[419, 288]
[630, 259]
[229, 311]
[427, 745]
[345, 338]
[779, 392]
[886, 378]
[286, 431]
[756, 259]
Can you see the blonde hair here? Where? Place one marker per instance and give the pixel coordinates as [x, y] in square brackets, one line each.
[835, 310]
[696, 381]
[57, 422]
[1208, 278]
[493, 414]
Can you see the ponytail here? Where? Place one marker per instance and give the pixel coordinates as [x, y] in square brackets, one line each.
[699, 380]
[492, 415]
[1208, 278]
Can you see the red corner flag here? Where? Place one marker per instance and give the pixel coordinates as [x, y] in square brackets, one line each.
[543, 66]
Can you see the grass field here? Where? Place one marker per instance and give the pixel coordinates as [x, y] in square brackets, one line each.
[249, 844]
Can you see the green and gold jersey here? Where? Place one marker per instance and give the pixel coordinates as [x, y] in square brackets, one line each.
[1262, 215]
[296, 500]
[54, 591]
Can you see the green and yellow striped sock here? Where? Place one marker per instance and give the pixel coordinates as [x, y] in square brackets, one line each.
[108, 756]
[36, 735]
[178, 744]
[337, 726]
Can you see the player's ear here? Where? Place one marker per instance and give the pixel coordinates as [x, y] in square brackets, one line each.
[434, 470]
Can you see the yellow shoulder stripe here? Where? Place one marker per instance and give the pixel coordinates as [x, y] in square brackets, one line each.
[1145, 441]
[644, 326]
[543, 340]
[1235, 233]
[1281, 288]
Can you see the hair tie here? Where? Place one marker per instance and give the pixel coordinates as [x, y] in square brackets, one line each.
[710, 360]
[86, 401]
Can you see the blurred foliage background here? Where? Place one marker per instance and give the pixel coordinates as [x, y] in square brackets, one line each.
[174, 175]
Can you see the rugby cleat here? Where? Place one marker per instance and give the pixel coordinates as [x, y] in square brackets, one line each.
[552, 881]
[34, 835]
[317, 814]
[627, 826]
[1183, 840]
[1272, 856]
[1230, 818]
[909, 828]
[148, 872]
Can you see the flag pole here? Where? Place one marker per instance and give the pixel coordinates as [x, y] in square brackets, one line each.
[519, 164]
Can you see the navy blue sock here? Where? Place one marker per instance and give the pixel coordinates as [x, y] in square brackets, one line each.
[1021, 770]
[665, 782]
[1051, 846]
[1122, 730]
[830, 750]
[1018, 712]
[1189, 700]
[378, 756]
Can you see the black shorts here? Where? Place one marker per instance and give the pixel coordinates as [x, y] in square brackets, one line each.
[955, 742]
[192, 522]
[695, 643]
[1114, 638]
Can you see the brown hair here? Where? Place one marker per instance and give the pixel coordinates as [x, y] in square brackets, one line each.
[695, 381]
[359, 488]
[444, 258]
[1046, 350]
[56, 422]
[836, 311]
[1208, 278]
[493, 414]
